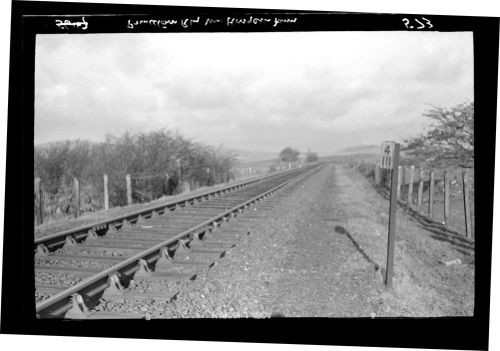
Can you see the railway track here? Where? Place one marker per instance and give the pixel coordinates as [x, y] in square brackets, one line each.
[101, 271]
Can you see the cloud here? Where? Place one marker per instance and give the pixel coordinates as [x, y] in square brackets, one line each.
[323, 90]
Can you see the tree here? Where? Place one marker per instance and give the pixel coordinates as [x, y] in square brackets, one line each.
[289, 154]
[311, 157]
[50, 165]
[450, 139]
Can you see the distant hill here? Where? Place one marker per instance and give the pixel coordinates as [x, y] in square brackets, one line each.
[367, 153]
[347, 157]
[248, 156]
[360, 149]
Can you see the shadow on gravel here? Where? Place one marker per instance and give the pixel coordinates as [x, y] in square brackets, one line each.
[438, 231]
[341, 230]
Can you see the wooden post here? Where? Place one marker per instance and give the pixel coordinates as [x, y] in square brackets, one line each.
[387, 179]
[392, 218]
[446, 198]
[468, 223]
[431, 193]
[178, 169]
[129, 189]
[106, 194]
[410, 185]
[400, 179]
[378, 172]
[403, 180]
[420, 189]
[77, 197]
[38, 202]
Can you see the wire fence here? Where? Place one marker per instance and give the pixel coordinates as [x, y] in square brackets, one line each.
[87, 195]
[444, 196]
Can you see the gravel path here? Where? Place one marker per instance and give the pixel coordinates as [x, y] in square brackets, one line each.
[318, 253]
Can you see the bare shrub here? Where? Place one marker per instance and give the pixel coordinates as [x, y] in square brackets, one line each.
[158, 162]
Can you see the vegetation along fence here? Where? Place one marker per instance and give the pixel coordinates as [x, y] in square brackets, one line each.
[138, 189]
[265, 168]
[441, 195]
[72, 177]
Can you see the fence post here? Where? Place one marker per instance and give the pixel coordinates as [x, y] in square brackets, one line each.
[400, 179]
[377, 175]
[431, 192]
[410, 185]
[446, 198]
[178, 169]
[468, 223]
[38, 202]
[77, 197]
[166, 184]
[106, 194]
[420, 189]
[404, 176]
[129, 189]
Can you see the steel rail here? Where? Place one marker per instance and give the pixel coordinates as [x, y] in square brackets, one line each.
[145, 212]
[132, 264]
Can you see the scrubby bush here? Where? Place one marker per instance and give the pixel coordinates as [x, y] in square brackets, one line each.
[147, 157]
[289, 154]
[311, 157]
[449, 141]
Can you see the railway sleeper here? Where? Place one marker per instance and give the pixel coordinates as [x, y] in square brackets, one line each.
[107, 251]
[74, 271]
[167, 227]
[167, 295]
[151, 237]
[79, 310]
[113, 245]
[173, 220]
[126, 239]
[180, 267]
[158, 231]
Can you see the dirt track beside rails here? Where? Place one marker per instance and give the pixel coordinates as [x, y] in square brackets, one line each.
[321, 253]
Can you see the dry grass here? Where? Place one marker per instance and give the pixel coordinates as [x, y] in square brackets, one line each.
[423, 284]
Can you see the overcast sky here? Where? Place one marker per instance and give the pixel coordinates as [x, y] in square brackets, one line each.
[255, 91]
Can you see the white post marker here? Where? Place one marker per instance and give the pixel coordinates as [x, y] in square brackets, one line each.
[390, 160]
